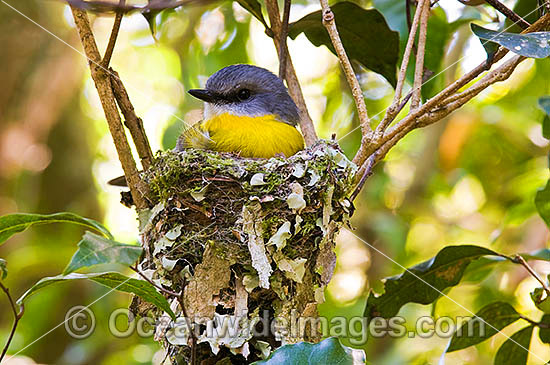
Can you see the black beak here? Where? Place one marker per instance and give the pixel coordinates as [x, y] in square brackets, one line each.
[204, 95]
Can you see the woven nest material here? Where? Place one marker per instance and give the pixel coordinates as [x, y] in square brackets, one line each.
[242, 238]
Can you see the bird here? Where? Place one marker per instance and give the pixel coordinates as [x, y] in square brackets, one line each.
[247, 111]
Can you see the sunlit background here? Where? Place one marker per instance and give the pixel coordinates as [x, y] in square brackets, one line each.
[470, 179]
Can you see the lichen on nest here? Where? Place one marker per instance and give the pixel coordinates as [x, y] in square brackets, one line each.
[240, 235]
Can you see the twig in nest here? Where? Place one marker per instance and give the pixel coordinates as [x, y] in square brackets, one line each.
[179, 298]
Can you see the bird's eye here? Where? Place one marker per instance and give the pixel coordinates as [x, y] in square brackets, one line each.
[243, 94]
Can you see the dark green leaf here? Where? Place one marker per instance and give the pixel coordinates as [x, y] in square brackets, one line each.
[423, 283]
[514, 351]
[254, 8]
[488, 321]
[14, 223]
[542, 202]
[544, 333]
[329, 351]
[113, 280]
[3, 269]
[95, 250]
[364, 33]
[535, 45]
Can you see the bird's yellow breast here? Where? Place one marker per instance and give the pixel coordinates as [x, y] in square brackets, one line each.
[262, 137]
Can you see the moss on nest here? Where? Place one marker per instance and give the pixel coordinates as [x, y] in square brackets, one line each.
[244, 235]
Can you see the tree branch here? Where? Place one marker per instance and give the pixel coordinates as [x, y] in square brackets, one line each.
[510, 14]
[416, 98]
[306, 124]
[282, 40]
[17, 314]
[518, 259]
[132, 121]
[330, 25]
[114, 35]
[395, 106]
[103, 85]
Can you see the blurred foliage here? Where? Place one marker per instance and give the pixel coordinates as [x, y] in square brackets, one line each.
[470, 179]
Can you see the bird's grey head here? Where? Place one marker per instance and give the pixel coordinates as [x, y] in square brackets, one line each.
[248, 91]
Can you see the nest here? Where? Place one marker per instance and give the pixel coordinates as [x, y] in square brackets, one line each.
[244, 239]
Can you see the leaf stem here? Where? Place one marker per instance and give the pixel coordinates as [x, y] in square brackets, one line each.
[518, 259]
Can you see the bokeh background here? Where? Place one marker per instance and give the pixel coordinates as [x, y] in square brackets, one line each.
[469, 179]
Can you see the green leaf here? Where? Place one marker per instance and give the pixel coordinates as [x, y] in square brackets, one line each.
[95, 250]
[254, 8]
[544, 333]
[542, 202]
[14, 223]
[329, 351]
[3, 269]
[514, 351]
[113, 280]
[541, 300]
[364, 33]
[534, 45]
[423, 283]
[487, 322]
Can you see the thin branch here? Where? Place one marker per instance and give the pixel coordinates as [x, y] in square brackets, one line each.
[103, 85]
[440, 98]
[160, 288]
[306, 124]
[394, 108]
[416, 98]
[509, 13]
[282, 40]
[330, 25]
[17, 314]
[114, 35]
[518, 259]
[409, 122]
[132, 121]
